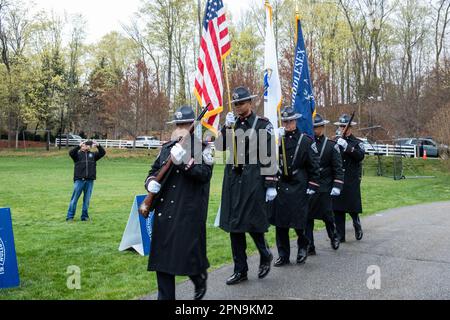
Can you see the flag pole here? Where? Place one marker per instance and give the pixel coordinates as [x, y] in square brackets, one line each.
[230, 109]
[283, 144]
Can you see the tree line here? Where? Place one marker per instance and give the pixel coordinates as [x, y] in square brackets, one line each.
[388, 60]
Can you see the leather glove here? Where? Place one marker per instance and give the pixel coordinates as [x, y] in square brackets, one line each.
[154, 187]
[281, 132]
[271, 194]
[230, 120]
[177, 152]
[335, 192]
[342, 143]
[310, 192]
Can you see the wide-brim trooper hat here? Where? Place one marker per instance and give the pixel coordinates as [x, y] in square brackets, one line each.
[319, 121]
[242, 94]
[344, 120]
[289, 113]
[185, 114]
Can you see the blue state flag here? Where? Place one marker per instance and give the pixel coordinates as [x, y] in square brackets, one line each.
[302, 93]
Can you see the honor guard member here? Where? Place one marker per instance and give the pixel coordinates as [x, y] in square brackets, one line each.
[290, 208]
[331, 183]
[352, 151]
[248, 184]
[180, 208]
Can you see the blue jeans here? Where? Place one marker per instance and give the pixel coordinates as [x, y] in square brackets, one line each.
[85, 186]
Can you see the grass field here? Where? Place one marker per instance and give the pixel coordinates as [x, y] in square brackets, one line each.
[37, 187]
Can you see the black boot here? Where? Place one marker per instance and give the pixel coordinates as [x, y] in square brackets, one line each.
[264, 267]
[358, 231]
[236, 278]
[335, 242]
[281, 262]
[200, 288]
[302, 255]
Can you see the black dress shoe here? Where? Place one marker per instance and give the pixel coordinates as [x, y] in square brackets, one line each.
[281, 262]
[358, 232]
[335, 243]
[264, 268]
[302, 256]
[236, 278]
[200, 290]
[312, 251]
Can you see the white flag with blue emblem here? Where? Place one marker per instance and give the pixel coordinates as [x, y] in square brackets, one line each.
[272, 84]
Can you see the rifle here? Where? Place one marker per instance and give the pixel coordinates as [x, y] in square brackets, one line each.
[144, 209]
[344, 133]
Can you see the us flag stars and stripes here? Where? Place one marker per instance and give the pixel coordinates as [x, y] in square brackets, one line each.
[215, 45]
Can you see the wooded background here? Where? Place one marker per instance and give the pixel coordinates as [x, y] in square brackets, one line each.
[386, 59]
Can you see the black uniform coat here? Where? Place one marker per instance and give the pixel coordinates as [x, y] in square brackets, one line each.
[331, 176]
[290, 207]
[243, 207]
[181, 208]
[350, 199]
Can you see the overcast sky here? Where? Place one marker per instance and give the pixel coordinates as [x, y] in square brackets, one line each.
[104, 16]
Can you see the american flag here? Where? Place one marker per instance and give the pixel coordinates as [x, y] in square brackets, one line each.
[215, 45]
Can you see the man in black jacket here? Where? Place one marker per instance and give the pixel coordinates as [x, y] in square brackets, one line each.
[181, 210]
[85, 172]
[249, 183]
[331, 184]
[353, 153]
[297, 183]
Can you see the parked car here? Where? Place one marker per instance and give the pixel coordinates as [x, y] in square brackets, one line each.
[423, 144]
[149, 142]
[70, 140]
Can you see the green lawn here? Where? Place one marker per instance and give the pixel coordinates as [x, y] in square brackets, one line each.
[38, 187]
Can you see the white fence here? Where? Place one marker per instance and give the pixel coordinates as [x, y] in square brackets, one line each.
[121, 144]
[371, 149]
[391, 150]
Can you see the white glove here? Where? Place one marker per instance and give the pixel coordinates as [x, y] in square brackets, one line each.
[281, 132]
[271, 194]
[310, 192]
[177, 153]
[230, 120]
[342, 143]
[154, 187]
[335, 192]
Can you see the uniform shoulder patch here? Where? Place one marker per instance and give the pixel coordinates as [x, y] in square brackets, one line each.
[269, 128]
[314, 147]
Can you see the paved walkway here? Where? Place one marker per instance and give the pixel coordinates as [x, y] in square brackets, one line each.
[410, 245]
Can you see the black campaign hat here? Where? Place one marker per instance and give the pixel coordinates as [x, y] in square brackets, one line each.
[344, 120]
[289, 113]
[242, 94]
[319, 121]
[185, 114]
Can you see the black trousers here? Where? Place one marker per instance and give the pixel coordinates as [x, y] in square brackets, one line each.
[340, 222]
[284, 244]
[239, 247]
[329, 225]
[166, 284]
